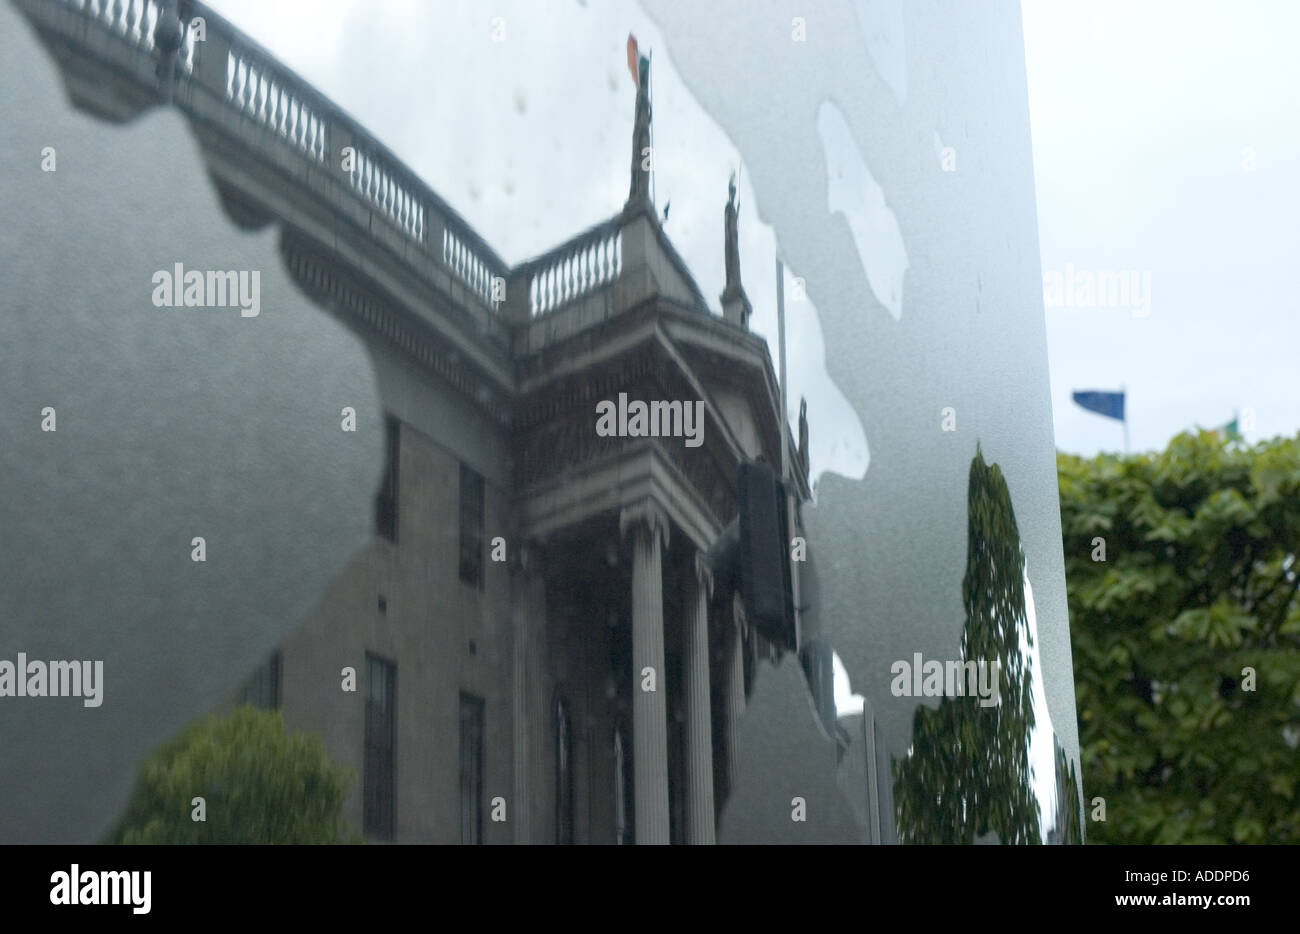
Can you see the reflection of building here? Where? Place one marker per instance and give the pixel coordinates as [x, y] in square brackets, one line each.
[537, 653]
[520, 679]
[530, 634]
[859, 776]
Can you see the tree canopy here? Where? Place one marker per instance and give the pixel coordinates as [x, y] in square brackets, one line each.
[258, 783]
[1185, 626]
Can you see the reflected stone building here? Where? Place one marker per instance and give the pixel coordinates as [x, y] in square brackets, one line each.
[532, 647]
[539, 655]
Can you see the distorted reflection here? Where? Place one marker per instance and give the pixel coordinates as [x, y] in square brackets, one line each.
[990, 774]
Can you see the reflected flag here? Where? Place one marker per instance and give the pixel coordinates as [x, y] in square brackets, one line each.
[1110, 404]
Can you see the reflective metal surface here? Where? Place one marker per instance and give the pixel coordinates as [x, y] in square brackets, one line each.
[887, 164]
[894, 166]
[976, 773]
[983, 766]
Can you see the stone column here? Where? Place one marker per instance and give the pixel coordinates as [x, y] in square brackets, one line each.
[519, 704]
[648, 528]
[528, 614]
[524, 586]
[699, 720]
[735, 694]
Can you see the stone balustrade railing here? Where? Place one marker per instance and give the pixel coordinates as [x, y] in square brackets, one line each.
[590, 261]
[227, 82]
[467, 263]
[134, 21]
[232, 68]
[262, 94]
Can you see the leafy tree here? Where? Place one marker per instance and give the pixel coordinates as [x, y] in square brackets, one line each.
[968, 770]
[260, 785]
[1197, 589]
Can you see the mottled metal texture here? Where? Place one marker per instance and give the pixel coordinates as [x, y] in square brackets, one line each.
[172, 423]
[928, 287]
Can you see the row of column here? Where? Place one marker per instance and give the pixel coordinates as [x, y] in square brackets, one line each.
[649, 530]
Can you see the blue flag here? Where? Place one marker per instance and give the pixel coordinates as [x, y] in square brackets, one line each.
[1110, 404]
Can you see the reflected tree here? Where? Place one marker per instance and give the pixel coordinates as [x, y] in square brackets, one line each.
[1069, 815]
[967, 772]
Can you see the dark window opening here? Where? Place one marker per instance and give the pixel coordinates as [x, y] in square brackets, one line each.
[263, 688]
[381, 735]
[386, 499]
[471, 769]
[676, 777]
[471, 527]
[622, 792]
[563, 773]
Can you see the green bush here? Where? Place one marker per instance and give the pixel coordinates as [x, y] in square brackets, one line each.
[260, 785]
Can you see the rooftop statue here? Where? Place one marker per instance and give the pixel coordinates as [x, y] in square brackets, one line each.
[642, 158]
[731, 244]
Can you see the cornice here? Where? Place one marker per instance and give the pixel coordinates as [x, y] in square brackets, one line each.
[362, 306]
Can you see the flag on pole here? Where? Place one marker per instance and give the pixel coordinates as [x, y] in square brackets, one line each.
[1228, 432]
[633, 60]
[1109, 404]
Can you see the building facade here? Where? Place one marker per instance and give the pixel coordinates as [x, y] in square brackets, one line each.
[539, 656]
[529, 647]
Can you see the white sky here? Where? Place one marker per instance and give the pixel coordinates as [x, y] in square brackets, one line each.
[1140, 111]
[1140, 114]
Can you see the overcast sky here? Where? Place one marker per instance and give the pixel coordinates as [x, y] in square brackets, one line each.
[1144, 115]
[1166, 150]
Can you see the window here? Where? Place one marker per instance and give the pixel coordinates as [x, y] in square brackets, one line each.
[622, 792]
[381, 735]
[386, 500]
[471, 769]
[676, 776]
[563, 773]
[471, 527]
[263, 689]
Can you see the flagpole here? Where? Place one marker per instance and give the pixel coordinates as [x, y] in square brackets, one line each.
[650, 96]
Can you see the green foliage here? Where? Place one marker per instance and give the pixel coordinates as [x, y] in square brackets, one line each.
[1199, 583]
[968, 771]
[261, 785]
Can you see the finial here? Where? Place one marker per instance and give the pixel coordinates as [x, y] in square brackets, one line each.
[735, 304]
[168, 36]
